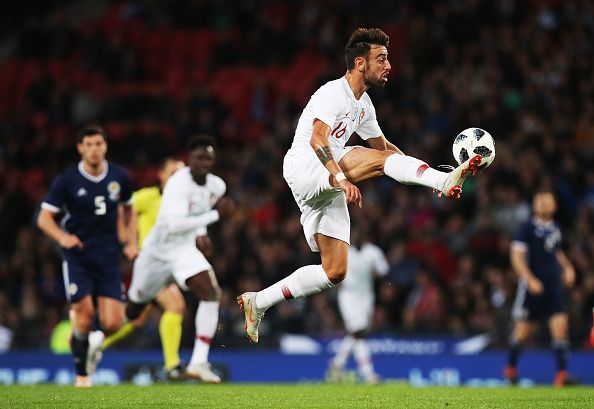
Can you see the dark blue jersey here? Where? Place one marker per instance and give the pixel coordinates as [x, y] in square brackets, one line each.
[90, 205]
[541, 242]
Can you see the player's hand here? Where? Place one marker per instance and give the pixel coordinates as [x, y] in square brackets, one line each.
[535, 286]
[352, 193]
[204, 244]
[225, 206]
[70, 241]
[569, 277]
[131, 251]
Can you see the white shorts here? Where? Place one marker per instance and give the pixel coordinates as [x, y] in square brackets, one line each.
[356, 309]
[152, 273]
[323, 207]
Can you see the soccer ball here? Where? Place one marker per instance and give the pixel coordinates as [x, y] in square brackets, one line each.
[473, 141]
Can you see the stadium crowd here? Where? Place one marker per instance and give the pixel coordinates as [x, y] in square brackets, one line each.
[156, 73]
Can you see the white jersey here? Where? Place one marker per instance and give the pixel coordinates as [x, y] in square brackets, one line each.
[334, 104]
[363, 263]
[186, 210]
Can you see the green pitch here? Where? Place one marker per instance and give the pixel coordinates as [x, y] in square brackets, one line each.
[240, 396]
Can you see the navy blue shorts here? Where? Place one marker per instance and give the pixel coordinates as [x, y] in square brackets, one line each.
[96, 276]
[532, 307]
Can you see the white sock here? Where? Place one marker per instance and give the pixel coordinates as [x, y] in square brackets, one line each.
[363, 358]
[207, 319]
[344, 351]
[304, 281]
[412, 171]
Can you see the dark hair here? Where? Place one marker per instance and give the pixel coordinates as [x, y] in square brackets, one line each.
[200, 141]
[360, 43]
[89, 130]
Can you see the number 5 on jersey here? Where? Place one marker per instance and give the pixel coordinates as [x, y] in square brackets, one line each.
[100, 206]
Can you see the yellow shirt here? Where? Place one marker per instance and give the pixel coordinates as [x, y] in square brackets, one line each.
[146, 203]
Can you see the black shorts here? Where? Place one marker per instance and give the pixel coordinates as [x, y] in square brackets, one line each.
[532, 307]
[100, 275]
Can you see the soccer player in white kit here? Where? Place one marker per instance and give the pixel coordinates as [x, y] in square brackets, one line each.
[322, 172]
[356, 301]
[170, 252]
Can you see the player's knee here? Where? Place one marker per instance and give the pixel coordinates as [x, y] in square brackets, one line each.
[83, 324]
[336, 274]
[110, 328]
[111, 325]
[177, 308]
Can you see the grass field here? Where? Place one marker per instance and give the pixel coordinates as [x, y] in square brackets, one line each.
[242, 396]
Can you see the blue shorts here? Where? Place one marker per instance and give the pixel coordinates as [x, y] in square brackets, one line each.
[532, 307]
[97, 276]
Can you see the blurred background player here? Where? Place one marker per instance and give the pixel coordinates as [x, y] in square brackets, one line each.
[356, 302]
[322, 172]
[543, 270]
[170, 251]
[89, 194]
[146, 203]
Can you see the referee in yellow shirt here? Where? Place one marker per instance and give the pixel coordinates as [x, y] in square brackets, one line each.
[146, 203]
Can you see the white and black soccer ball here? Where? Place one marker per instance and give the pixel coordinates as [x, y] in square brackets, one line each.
[473, 141]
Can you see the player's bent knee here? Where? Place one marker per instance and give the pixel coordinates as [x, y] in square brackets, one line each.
[83, 324]
[336, 275]
[109, 326]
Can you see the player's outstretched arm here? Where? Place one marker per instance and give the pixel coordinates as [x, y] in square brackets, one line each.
[47, 223]
[131, 222]
[320, 145]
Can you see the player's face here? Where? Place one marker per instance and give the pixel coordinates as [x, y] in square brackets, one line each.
[544, 205]
[169, 169]
[377, 67]
[92, 149]
[201, 161]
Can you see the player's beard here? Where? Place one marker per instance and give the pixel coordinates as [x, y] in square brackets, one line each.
[372, 81]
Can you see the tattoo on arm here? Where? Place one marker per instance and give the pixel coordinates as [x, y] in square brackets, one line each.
[324, 154]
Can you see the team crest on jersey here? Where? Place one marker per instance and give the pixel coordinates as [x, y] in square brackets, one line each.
[114, 190]
[72, 288]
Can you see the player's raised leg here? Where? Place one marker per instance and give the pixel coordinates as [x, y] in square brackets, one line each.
[362, 163]
[304, 281]
[206, 287]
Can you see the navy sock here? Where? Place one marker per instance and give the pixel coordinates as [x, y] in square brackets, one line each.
[80, 347]
[561, 350]
[513, 354]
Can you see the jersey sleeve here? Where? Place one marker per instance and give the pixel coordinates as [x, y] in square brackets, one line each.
[220, 188]
[325, 105]
[369, 127]
[56, 197]
[126, 193]
[175, 206]
[520, 241]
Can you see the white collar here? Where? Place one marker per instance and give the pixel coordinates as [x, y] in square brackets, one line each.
[90, 177]
[541, 223]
